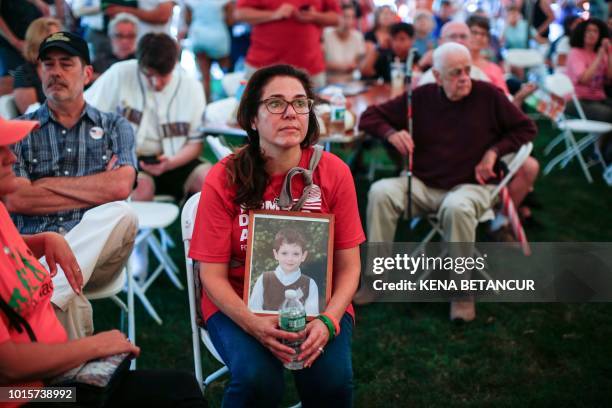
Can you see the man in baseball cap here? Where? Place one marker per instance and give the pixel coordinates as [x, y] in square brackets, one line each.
[73, 174]
[71, 43]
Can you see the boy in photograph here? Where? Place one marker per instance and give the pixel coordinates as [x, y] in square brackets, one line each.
[269, 291]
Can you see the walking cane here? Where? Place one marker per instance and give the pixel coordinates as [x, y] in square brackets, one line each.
[408, 164]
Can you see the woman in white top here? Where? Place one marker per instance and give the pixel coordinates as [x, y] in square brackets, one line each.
[209, 34]
[344, 47]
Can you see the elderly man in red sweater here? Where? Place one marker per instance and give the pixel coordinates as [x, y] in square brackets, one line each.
[461, 127]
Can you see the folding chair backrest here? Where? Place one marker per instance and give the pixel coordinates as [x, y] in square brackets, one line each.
[219, 149]
[198, 332]
[517, 161]
[8, 108]
[561, 85]
[231, 82]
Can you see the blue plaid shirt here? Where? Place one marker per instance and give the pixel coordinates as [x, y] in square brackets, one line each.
[53, 151]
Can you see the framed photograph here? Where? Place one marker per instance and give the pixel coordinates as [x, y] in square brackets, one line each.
[288, 250]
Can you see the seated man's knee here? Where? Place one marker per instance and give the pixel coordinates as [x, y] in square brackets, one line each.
[129, 220]
[145, 191]
[530, 169]
[379, 192]
[124, 218]
[123, 212]
[455, 207]
[196, 178]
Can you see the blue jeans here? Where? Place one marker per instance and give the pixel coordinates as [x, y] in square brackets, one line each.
[257, 375]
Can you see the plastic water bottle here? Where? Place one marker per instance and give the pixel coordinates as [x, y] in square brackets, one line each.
[292, 318]
[398, 71]
[337, 113]
[216, 87]
[240, 89]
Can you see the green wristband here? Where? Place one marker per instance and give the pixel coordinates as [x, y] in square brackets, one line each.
[329, 324]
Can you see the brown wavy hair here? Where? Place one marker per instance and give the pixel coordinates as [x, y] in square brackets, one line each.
[246, 168]
[577, 37]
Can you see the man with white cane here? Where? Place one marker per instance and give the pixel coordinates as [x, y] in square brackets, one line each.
[461, 127]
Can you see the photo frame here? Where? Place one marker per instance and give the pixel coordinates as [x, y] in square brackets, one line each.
[288, 250]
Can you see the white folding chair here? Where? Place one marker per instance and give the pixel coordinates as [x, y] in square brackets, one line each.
[515, 163]
[8, 108]
[155, 216]
[111, 291]
[198, 333]
[219, 149]
[222, 111]
[559, 84]
[524, 58]
[231, 82]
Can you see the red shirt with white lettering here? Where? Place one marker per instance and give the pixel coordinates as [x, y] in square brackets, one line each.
[288, 41]
[221, 227]
[27, 288]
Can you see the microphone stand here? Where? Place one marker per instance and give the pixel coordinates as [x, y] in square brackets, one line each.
[408, 162]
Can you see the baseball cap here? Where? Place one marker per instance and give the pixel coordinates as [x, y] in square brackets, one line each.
[71, 43]
[12, 131]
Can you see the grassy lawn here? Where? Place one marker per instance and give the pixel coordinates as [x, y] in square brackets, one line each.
[411, 355]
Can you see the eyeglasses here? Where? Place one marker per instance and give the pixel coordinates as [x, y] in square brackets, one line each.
[278, 106]
[481, 33]
[456, 37]
[120, 36]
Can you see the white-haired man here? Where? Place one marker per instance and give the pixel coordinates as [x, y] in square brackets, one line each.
[122, 31]
[453, 31]
[461, 127]
[523, 181]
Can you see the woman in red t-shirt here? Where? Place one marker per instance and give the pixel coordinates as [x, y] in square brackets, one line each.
[276, 112]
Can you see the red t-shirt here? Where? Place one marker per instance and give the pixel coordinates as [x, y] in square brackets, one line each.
[221, 227]
[288, 41]
[27, 287]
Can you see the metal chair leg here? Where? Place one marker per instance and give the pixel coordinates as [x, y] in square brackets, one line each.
[572, 151]
[164, 259]
[553, 143]
[145, 302]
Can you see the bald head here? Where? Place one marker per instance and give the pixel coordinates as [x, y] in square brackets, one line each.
[455, 31]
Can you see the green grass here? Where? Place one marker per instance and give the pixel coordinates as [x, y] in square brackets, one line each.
[411, 355]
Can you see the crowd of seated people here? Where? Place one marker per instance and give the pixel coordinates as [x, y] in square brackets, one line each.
[119, 117]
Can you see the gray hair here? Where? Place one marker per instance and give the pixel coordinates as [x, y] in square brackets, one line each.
[424, 14]
[122, 18]
[441, 54]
